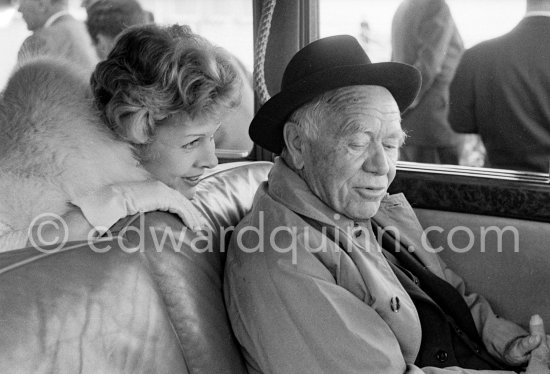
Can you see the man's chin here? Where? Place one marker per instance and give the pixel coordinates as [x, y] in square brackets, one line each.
[363, 211]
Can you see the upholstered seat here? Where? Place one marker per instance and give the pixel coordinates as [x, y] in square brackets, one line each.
[146, 300]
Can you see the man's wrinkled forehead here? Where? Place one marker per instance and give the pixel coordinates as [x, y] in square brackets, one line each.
[371, 98]
[364, 109]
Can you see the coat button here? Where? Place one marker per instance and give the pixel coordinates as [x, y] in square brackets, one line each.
[357, 230]
[441, 356]
[395, 305]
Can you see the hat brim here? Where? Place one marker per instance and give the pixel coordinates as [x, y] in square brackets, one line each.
[266, 129]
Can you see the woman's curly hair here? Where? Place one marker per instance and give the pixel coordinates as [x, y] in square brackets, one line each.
[154, 72]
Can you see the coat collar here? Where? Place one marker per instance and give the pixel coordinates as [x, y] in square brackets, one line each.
[537, 13]
[54, 18]
[289, 189]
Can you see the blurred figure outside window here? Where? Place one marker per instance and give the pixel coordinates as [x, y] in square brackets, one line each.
[108, 18]
[424, 34]
[501, 91]
[55, 33]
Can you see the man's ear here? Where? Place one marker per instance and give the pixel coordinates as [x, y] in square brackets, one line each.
[294, 140]
[44, 5]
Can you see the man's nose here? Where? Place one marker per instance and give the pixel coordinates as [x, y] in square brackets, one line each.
[207, 157]
[377, 161]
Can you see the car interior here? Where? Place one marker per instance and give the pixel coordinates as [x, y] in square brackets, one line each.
[125, 307]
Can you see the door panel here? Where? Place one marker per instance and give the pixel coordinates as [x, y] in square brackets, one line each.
[513, 274]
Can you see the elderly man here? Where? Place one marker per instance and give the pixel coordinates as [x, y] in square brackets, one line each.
[55, 33]
[308, 288]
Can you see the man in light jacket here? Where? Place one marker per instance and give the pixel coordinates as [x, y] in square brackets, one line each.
[309, 286]
[56, 33]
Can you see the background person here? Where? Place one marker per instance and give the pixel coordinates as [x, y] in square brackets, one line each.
[308, 287]
[424, 35]
[108, 18]
[55, 33]
[501, 91]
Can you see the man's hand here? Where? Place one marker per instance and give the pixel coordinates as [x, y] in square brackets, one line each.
[518, 350]
[539, 363]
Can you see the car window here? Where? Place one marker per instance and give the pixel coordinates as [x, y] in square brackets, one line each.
[370, 21]
[226, 23]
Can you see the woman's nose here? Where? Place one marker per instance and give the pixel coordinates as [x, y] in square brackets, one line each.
[207, 157]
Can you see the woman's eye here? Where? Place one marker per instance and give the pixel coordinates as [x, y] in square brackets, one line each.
[191, 145]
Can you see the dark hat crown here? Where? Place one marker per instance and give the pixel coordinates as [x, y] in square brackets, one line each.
[321, 66]
[322, 55]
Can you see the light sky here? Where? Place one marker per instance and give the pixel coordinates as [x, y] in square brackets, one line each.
[477, 20]
[229, 22]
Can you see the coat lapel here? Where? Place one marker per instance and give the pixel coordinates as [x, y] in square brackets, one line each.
[397, 215]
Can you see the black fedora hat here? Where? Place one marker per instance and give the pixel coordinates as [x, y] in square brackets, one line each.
[321, 66]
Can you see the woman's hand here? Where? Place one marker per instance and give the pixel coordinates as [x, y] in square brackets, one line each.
[103, 208]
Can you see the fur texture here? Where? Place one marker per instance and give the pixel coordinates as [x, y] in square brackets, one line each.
[53, 144]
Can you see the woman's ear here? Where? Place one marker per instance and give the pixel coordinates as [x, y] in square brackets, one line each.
[294, 141]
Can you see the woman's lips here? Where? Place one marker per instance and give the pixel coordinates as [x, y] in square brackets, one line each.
[192, 180]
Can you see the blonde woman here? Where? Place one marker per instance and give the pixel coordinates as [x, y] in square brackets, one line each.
[157, 100]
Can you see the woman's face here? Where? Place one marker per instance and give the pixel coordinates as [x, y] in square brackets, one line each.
[181, 150]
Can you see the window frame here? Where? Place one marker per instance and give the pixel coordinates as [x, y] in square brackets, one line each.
[492, 192]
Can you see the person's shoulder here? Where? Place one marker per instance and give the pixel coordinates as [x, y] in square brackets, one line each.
[43, 42]
[482, 52]
[65, 20]
[66, 24]
[33, 42]
[501, 45]
[254, 237]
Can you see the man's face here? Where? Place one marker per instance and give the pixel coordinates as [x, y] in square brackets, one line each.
[34, 13]
[353, 161]
[104, 45]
